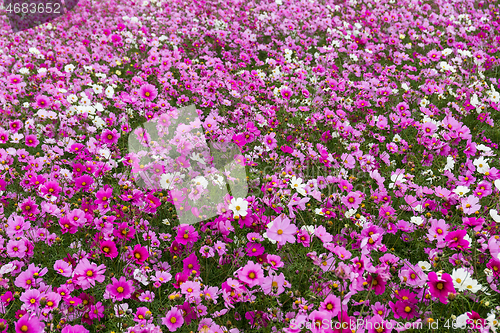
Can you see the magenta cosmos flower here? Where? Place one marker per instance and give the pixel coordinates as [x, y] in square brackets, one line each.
[74, 329]
[83, 182]
[31, 140]
[140, 254]
[108, 248]
[29, 325]
[120, 289]
[286, 93]
[173, 319]
[110, 137]
[42, 102]
[51, 188]
[252, 274]
[440, 288]
[186, 234]
[282, 231]
[456, 239]
[148, 91]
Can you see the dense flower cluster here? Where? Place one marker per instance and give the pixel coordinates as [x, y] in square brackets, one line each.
[368, 133]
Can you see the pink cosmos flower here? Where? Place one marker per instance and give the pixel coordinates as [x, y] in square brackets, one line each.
[51, 188]
[143, 315]
[4, 326]
[16, 226]
[254, 249]
[286, 93]
[376, 283]
[173, 319]
[386, 212]
[331, 304]
[77, 217]
[52, 301]
[191, 289]
[63, 268]
[282, 231]
[123, 231]
[494, 265]
[304, 238]
[162, 277]
[404, 309]
[207, 252]
[120, 289]
[29, 325]
[148, 92]
[16, 249]
[475, 321]
[270, 141]
[470, 204]
[441, 287]
[320, 322]
[147, 296]
[252, 274]
[87, 273]
[30, 299]
[438, 231]
[274, 261]
[352, 200]
[322, 234]
[274, 284]
[4, 136]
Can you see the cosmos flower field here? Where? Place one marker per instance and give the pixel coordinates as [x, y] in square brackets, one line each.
[368, 132]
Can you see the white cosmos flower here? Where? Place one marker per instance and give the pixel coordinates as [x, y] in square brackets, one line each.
[72, 98]
[350, 213]
[417, 220]
[461, 321]
[200, 180]
[297, 184]
[7, 268]
[494, 215]
[461, 191]
[497, 184]
[109, 92]
[481, 164]
[309, 228]
[472, 285]
[16, 138]
[461, 278]
[239, 206]
[493, 322]
[69, 68]
[121, 309]
[139, 276]
[168, 179]
[319, 211]
[425, 265]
